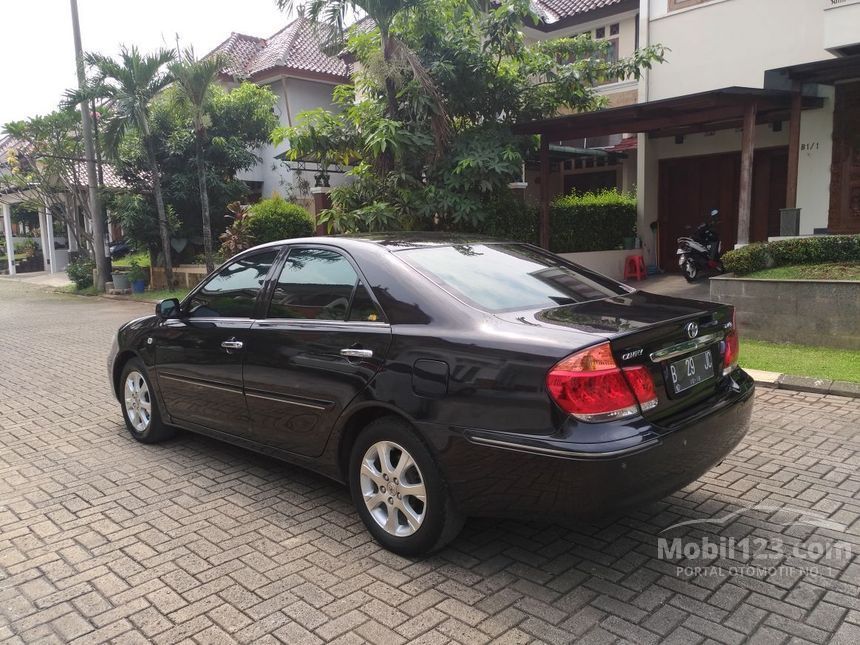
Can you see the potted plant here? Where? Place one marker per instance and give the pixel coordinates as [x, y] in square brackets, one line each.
[120, 280]
[137, 276]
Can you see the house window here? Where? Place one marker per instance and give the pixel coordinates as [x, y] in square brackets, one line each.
[600, 32]
[614, 29]
[674, 5]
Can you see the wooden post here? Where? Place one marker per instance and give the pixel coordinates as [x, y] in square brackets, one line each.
[794, 146]
[322, 201]
[747, 154]
[543, 227]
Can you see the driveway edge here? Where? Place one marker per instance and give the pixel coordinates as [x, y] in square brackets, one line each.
[805, 384]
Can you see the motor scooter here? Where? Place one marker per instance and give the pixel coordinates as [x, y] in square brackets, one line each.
[701, 253]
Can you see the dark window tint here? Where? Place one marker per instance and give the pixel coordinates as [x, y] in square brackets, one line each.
[363, 308]
[508, 277]
[233, 291]
[315, 284]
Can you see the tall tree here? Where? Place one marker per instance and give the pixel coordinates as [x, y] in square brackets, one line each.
[486, 77]
[195, 79]
[128, 85]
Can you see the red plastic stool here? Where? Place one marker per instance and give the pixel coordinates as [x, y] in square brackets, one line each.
[634, 267]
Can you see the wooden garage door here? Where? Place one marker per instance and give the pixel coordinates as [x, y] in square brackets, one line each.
[690, 187]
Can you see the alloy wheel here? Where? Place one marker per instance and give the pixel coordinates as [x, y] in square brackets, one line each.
[393, 488]
[138, 402]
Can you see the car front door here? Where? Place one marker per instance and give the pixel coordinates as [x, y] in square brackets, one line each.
[199, 355]
[321, 341]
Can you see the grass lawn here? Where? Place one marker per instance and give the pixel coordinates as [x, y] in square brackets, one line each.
[827, 271]
[801, 360]
[142, 258]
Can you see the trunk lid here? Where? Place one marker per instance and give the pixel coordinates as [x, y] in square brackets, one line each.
[654, 331]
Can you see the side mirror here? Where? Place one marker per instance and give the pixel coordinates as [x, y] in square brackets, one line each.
[167, 308]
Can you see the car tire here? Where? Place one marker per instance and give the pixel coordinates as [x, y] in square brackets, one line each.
[140, 405]
[691, 271]
[388, 495]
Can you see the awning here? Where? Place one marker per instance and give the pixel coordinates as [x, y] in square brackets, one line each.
[826, 72]
[703, 112]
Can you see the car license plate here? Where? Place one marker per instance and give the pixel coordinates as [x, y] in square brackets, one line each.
[691, 371]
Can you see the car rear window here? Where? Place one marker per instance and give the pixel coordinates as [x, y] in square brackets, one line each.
[508, 277]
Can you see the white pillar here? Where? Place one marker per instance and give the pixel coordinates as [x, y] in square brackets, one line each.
[7, 232]
[43, 235]
[52, 251]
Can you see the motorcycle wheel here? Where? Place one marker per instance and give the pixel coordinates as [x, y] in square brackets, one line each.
[691, 271]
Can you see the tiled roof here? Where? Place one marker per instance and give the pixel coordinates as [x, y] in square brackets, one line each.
[296, 46]
[554, 10]
[239, 50]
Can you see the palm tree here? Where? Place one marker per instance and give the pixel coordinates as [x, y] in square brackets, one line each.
[195, 78]
[127, 86]
[332, 15]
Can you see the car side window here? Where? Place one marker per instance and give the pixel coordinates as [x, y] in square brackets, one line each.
[232, 292]
[318, 284]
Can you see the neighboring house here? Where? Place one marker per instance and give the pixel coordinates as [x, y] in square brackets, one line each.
[291, 64]
[44, 225]
[600, 161]
[756, 109]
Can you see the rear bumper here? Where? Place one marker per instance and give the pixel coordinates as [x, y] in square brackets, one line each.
[503, 477]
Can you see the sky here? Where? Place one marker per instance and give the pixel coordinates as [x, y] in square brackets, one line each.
[37, 56]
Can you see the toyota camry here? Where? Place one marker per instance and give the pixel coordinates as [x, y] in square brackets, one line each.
[441, 377]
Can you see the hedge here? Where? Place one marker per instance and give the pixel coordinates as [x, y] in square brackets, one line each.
[802, 250]
[592, 221]
[276, 219]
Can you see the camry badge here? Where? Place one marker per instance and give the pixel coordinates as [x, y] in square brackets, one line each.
[692, 329]
[626, 356]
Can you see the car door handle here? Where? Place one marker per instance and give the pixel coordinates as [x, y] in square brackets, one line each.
[232, 344]
[357, 353]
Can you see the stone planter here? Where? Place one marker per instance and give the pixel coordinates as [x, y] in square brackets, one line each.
[120, 281]
[807, 312]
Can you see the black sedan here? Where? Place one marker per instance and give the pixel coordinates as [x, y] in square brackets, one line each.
[442, 377]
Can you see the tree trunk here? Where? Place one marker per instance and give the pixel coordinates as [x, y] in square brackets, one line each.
[204, 205]
[159, 206]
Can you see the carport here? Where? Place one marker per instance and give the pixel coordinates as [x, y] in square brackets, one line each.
[728, 108]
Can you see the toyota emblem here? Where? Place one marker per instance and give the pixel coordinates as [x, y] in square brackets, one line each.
[692, 329]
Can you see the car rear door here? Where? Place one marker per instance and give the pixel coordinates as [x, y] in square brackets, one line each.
[320, 341]
[199, 356]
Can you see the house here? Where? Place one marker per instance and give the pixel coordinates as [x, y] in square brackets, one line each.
[45, 225]
[755, 111]
[302, 77]
[604, 160]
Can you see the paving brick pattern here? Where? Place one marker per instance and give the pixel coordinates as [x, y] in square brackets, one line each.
[106, 540]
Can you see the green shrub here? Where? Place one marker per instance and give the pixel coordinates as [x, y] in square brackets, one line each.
[276, 219]
[80, 271]
[591, 221]
[802, 250]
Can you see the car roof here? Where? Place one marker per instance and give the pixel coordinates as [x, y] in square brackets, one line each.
[394, 241]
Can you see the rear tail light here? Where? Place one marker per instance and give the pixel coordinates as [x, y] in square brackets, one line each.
[590, 386]
[731, 347]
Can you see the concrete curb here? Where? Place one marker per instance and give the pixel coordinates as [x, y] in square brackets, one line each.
[805, 384]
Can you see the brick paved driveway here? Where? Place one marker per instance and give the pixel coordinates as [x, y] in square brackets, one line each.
[105, 539]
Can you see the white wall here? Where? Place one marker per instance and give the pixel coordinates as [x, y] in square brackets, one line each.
[732, 42]
[813, 173]
[301, 95]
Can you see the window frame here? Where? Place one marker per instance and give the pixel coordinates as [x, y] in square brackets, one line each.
[275, 274]
[186, 301]
[677, 5]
